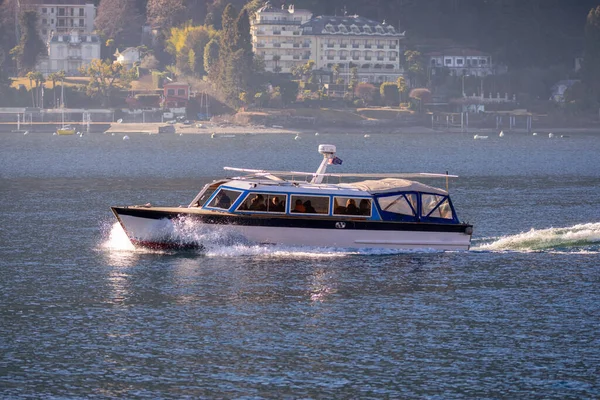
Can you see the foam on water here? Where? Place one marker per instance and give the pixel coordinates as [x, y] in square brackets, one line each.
[222, 241]
[577, 238]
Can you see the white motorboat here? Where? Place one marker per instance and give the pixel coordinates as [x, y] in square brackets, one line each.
[385, 210]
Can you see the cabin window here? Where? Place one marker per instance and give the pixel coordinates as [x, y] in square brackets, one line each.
[224, 198]
[435, 206]
[265, 202]
[405, 204]
[309, 204]
[351, 206]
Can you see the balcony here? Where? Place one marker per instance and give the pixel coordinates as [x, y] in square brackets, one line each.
[380, 58]
[343, 46]
[330, 45]
[380, 46]
[330, 57]
[296, 57]
[296, 33]
[368, 58]
[355, 46]
[296, 45]
[355, 58]
[260, 45]
[276, 32]
[367, 46]
[343, 58]
[305, 44]
[276, 44]
[305, 57]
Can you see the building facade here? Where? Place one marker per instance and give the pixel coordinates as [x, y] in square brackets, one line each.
[62, 16]
[461, 61]
[372, 47]
[288, 37]
[277, 37]
[69, 53]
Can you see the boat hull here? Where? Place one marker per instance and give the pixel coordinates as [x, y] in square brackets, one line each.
[174, 228]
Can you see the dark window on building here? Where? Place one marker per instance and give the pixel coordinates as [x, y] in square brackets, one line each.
[180, 92]
[170, 92]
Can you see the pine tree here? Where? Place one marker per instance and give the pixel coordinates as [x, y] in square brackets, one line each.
[30, 46]
[119, 20]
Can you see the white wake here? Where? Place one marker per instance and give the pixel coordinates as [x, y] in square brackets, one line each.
[585, 237]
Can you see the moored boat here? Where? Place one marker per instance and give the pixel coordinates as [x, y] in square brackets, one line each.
[65, 130]
[385, 210]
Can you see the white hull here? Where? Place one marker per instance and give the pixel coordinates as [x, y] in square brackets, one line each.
[162, 232]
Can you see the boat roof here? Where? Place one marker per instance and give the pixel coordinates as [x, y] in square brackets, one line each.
[370, 187]
[388, 185]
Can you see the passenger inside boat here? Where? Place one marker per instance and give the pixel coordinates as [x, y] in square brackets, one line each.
[258, 203]
[351, 208]
[299, 207]
[276, 205]
[223, 201]
[365, 207]
[308, 208]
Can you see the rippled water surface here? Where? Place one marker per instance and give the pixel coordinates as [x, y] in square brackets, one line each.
[83, 314]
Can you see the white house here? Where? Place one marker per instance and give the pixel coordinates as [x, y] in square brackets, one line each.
[287, 37]
[277, 37]
[62, 16]
[559, 89]
[461, 61]
[69, 53]
[128, 57]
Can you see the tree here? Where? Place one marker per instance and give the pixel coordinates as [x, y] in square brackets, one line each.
[591, 62]
[336, 72]
[105, 77]
[365, 92]
[38, 78]
[420, 96]
[236, 59]
[165, 13]
[30, 46]
[119, 20]
[189, 40]
[353, 78]
[401, 84]
[211, 58]
[414, 67]
[389, 93]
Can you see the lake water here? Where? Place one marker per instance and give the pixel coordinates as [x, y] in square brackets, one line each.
[83, 315]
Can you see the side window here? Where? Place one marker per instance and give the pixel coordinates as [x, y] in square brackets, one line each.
[224, 198]
[309, 204]
[351, 206]
[435, 206]
[265, 202]
[405, 204]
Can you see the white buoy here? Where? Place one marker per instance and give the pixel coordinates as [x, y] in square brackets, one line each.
[54, 133]
[551, 135]
[125, 137]
[113, 134]
[501, 134]
[25, 133]
[367, 135]
[297, 137]
[316, 133]
[534, 133]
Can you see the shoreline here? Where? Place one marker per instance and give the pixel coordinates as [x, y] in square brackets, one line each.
[209, 128]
